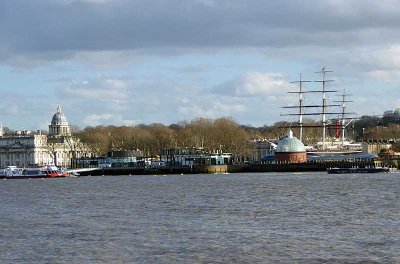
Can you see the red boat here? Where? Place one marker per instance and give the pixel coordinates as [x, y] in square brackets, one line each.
[48, 171]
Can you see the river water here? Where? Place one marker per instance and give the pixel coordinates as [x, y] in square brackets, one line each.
[223, 218]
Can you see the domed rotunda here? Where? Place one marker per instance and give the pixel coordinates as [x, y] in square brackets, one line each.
[59, 125]
[290, 149]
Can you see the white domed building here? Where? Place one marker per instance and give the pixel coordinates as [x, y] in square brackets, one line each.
[25, 148]
[291, 150]
[59, 124]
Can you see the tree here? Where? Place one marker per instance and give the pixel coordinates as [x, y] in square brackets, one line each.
[96, 139]
[161, 137]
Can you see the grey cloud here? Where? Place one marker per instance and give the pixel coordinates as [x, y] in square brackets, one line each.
[65, 27]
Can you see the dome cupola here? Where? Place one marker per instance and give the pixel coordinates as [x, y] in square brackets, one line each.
[59, 118]
[290, 144]
[59, 124]
[290, 149]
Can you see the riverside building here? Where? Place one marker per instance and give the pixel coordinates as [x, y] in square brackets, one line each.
[25, 148]
[291, 150]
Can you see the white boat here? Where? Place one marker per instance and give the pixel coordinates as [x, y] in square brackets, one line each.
[10, 171]
[48, 171]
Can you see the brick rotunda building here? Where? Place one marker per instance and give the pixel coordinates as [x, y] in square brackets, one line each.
[290, 149]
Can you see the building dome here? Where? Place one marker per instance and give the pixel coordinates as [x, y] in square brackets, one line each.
[290, 150]
[59, 118]
[290, 144]
[59, 124]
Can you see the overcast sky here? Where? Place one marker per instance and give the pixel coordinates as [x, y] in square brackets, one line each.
[126, 62]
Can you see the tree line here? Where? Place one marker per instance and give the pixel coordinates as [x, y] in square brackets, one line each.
[215, 135]
[222, 134]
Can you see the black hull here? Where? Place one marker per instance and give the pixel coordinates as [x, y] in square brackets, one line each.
[356, 170]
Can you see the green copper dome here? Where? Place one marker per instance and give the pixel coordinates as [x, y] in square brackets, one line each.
[290, 144]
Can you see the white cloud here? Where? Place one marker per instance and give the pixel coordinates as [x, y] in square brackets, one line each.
[215, 110]
[382, 64]
[266, 84]
[107, 118]
[254, 84]
[115, 84]
[224, 109]
[103, 90]
[94, 120]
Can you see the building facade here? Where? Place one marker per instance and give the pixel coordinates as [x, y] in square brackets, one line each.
[260, 149]
[193, 157]
[26, 148]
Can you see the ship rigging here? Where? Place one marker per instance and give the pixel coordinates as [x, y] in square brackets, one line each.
[323, 109]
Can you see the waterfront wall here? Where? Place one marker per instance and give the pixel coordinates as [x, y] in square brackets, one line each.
[217, 169]
[308, 166]
[159, 171]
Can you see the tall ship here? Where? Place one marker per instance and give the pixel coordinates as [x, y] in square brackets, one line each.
[334, 119]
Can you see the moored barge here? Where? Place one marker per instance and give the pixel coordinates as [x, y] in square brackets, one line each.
[357, 170]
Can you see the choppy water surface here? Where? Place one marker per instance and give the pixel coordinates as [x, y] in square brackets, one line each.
[235, 218]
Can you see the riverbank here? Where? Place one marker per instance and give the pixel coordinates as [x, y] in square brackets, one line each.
[211, 169]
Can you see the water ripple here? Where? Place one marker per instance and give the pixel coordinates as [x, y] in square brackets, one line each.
[235, 218]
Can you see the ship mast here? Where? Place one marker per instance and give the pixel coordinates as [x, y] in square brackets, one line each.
[321, 110]
[324, 81]
[343, 114]
[301, 104]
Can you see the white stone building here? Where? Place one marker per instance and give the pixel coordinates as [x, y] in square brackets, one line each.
[26, 148]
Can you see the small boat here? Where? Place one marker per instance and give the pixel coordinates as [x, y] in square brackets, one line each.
[48, 171]
[10, 171]
[357, 170]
